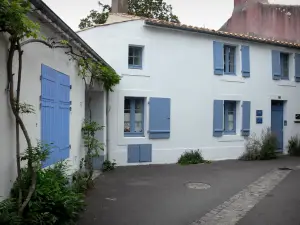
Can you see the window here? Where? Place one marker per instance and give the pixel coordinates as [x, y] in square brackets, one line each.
[133, 117]
[284, 63]
[229, 117]
[229, 59]
[135, 57]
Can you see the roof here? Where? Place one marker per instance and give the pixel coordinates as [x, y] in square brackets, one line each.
[179, 26]
[74, 38]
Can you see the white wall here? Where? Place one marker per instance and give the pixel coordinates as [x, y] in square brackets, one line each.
[34, 56]
[179, 65]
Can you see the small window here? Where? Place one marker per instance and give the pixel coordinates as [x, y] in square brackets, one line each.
[134, 117]
[135, 57]
[229, 117]
[284, 63]
[229, 59]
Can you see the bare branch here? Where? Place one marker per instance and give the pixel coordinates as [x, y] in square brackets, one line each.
[36, 41]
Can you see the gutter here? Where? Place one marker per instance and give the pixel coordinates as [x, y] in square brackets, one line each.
[41, 6]
[216, 33]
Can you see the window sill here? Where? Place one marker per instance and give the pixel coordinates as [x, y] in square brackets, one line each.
[133, 135]
[232, 78]
[135, 67]
[231, 138]
[286, 83]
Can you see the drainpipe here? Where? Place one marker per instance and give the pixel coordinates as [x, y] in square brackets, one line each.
[107, 125]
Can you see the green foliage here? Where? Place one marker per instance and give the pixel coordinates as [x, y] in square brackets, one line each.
[156, 9]
[191, 157]
[108, 165]
[55, 200]
[261, 148]
[14, 19]
[294, 146]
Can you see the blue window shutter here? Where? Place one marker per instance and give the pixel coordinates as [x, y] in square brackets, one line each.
[297, 67]
[245, 61]
[246, 116]
[218, 58]
[133, 153]
[276, 68]
[146, 153]
[48, 112]
[218, 118]
[63, 119]
[159, 118]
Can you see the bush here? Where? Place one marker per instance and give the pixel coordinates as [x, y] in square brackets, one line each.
[191, 157]
[261, 148]
[294, 146]
[108, 165]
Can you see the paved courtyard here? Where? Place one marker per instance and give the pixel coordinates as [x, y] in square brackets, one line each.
[242, 193]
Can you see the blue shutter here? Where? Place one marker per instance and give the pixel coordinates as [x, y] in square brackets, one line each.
[63, 119]
[245, 61]
[159, 118]
[218, 118]
[218, 58]
[133, 153]
[48, 111]
[276, 69]
[146, 153]
[246, 116]
[297, 67]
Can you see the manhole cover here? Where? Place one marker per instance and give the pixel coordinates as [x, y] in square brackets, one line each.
[199, 186]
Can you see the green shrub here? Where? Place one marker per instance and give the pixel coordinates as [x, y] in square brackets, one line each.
[294, 146]
[191, 157]
[108, 165]
[261, 148]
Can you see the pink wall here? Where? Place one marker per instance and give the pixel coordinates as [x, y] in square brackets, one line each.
[266, 20]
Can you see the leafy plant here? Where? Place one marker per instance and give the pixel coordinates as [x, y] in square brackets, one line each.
[191, 157]
[108, 165]
[261, 148]
[294, 146]
[156, 9]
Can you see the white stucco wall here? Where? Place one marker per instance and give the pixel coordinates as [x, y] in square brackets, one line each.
[34, 56]
[179, 65]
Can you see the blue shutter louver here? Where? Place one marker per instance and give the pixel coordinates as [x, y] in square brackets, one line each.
[218, 118]
[245, 61]
[297, 67]
[133, 153]
[276, 69]
[159, 118]
[246, 116]
[218, 52]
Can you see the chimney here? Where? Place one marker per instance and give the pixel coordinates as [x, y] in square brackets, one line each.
[240, 3]
[119, 6]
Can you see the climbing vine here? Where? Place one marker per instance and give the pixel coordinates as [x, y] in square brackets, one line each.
[20, 30]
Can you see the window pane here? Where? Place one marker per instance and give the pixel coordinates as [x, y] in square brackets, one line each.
[139, 115]
[130, 61]
[230, 126]
[127, 115]
[284, 58]
[225, 67]
[137, 61]
[130, 51]
[231, 59]
[230, 117]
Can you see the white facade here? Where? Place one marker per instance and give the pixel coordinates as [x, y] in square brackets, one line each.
[179, 65]
[34, 56]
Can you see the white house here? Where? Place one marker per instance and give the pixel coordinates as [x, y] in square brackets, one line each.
[185, 87]
[51, 84]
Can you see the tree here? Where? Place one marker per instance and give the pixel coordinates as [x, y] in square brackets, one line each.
[155, 9]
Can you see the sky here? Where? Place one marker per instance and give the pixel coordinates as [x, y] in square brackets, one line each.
[202, 13]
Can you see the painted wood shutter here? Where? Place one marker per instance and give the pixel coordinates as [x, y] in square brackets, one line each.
[246, 116]
[64, 116]
[48, 111]
[55, 114]
[139, 153]
[297, 67]
[276, 70]
[218, 118]
[245, 61]
[159, 118]
[218, 58]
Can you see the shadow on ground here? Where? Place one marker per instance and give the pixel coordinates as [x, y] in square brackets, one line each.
[157, 194]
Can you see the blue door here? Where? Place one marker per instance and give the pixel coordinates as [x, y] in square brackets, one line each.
[55, 114]
[277, 122]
